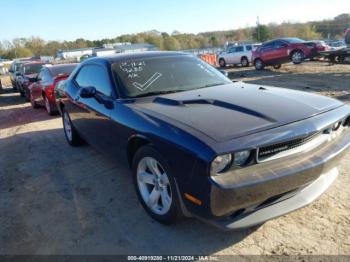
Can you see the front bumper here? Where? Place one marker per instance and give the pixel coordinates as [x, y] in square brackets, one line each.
[282, 206]
[275, 188]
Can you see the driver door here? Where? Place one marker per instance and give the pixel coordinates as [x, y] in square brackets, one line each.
[92, 115]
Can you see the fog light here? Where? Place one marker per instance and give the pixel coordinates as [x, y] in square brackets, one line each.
[241, 158]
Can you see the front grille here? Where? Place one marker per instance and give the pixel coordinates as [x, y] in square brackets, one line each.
[272, 150]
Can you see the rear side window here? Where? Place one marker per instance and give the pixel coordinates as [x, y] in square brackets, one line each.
[96, 76]
[269, 45]
[248, 48]
[279, 44]
[46, 76]
[237, 49]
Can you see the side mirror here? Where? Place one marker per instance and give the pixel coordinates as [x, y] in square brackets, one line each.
[224, 72]
[87, 92]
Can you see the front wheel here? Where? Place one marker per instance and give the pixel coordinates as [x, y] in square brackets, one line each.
[245, 62]
[259, 64]
[297, 57]
[70, 132]
[155, 186]
[222, 62]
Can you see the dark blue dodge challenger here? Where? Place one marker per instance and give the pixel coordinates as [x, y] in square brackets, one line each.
[232, 154]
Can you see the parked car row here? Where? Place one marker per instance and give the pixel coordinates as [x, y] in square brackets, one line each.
[272, 53]
[36, 80]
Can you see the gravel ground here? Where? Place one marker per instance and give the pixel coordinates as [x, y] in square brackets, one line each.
[55, 199]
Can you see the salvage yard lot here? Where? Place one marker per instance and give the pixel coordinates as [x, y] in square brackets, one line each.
[55, 199]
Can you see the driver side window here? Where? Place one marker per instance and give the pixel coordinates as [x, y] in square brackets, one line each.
[95, 76]
[80, 79]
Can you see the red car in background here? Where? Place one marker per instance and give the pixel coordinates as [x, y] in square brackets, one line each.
[284, 50]
[41, 93]
[28, 73]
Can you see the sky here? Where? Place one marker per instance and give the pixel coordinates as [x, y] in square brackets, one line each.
[97, 19]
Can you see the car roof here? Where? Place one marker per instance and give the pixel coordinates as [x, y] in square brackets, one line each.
[139, 55]
[55, 69]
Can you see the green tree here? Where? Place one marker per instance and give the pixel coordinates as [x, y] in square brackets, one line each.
[213, 41]
[18, 52]
[262, 33]
[171, 43]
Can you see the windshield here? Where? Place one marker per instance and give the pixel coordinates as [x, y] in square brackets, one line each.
[32, 69]
[295, 40]
[157, 75]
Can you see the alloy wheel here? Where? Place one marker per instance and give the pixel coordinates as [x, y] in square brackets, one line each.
[297, 57]
[154, 186]
[245, 62]
[67, 126]
[47, 105]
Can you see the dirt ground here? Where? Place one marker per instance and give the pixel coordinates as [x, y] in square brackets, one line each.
[55, 199]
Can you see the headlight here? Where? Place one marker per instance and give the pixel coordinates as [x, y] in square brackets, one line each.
[220, 163]
[240, 158]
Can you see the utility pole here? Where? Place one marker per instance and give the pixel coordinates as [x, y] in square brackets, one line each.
[258, 28]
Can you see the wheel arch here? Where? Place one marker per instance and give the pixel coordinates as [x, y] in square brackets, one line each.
[244, 56]
[135, 142]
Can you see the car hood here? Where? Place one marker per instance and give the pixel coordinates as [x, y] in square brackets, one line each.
[231, 111]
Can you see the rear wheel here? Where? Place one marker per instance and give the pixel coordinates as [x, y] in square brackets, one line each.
[277, 66]
[70, 132]
[244, 62]
[222, 62]
[259, 64]
[21, 92]
[297, 57]
[48, 106]
[33, 103]
[155, 186]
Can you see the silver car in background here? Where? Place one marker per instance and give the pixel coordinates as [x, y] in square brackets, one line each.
[240, 54]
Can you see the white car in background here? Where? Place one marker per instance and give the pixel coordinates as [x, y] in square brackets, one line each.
[236, 55]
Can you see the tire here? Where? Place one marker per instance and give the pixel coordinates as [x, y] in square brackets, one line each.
[27, 95]
[165, 207]
[277, 66]
[33, 103]
[70, 132]
[245, 62]
[259, 64]
[222, 63]
[21, 92]
[297, 57]
[48, 106]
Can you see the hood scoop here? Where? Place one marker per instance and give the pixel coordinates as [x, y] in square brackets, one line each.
[213, 102]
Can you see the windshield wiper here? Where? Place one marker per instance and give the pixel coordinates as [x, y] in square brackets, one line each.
[154, 93]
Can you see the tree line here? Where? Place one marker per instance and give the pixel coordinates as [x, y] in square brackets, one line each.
[326, 29]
